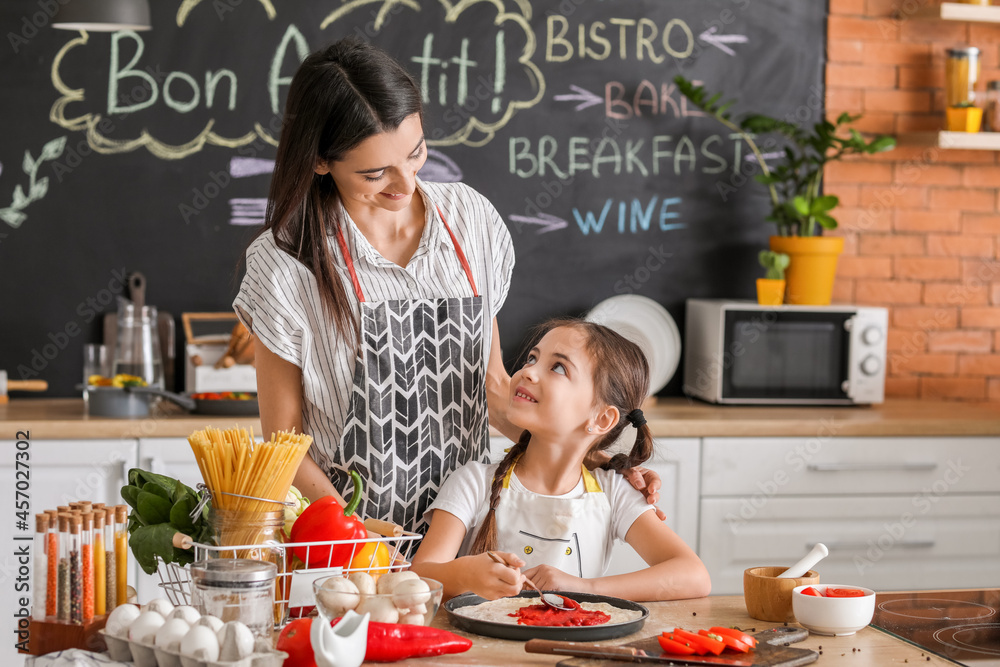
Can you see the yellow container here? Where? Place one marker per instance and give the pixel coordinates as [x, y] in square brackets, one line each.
[964, 119]
[813, 267]
[770, 292]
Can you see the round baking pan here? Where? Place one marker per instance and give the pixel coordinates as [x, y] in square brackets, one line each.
[557, 633]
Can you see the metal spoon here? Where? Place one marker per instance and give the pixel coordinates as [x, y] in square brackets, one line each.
[549, 599]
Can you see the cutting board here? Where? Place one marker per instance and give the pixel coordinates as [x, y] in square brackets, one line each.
[772, 651]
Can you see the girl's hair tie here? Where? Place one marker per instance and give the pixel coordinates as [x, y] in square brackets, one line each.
[636, 418]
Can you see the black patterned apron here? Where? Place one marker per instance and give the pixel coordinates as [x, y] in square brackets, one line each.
[418, 405]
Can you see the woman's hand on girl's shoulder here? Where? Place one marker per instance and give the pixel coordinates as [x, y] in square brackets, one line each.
[549, 578]
[648, 483]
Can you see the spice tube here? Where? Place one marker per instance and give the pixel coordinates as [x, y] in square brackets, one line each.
[52, 574]
[75, 570]
[39, 566]
[100, 572]
[87, 566]
[62, 612]
[110, 573]
[121, 555]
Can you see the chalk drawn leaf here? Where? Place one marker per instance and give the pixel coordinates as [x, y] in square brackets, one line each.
[12, 217]
[28, 166]
[53, 149]
[40, 188]
[20, 201]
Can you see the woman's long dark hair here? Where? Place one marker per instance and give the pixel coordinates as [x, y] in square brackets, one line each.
[339, 96]
[621, 379]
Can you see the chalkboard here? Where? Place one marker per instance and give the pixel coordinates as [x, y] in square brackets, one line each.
[152, 151]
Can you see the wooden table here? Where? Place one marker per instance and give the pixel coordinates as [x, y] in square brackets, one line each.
[867, 648]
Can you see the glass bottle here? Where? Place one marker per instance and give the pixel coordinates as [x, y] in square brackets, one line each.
[236, 589]
[110, 567]
[62, 612]
[991, 116]
[75, 570]
[52, 575]
[87, 566]
[961, 75]
[100, 573]
[39, 566]
[121, 555]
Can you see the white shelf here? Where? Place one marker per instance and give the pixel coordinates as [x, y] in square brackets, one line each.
[981, 141]
[956, 11]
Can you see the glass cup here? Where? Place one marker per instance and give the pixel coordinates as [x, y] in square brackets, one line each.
[95, 362]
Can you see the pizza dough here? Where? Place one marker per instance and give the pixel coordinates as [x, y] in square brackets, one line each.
[498, 611]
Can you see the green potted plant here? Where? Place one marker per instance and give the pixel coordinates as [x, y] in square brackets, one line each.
[794, 183]
[771, 288]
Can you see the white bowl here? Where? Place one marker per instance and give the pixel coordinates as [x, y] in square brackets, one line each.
[833, 616]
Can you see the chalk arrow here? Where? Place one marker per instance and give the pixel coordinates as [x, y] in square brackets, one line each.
[585, 97]
[545, 222]
[720, 41]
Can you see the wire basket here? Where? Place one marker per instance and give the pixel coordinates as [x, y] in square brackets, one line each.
[293, 587]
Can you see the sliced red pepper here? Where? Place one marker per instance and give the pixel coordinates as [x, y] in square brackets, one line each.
[674, 647]
[705, 644]
[730, 642]
[844, 593]
[738, 635]
[811, 591]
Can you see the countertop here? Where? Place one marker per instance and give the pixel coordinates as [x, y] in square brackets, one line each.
[868, 648]
[64, 418]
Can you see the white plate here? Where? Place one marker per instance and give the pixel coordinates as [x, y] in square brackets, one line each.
[647, 324]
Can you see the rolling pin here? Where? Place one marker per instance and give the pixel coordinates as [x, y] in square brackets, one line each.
[384, 528]
[19, 385]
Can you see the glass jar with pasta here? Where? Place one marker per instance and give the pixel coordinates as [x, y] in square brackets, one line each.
[961, 75]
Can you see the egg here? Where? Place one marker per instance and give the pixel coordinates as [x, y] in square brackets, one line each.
[213, 622]
[235, 641]
[161, 606]
[143, 628]
[186, 613]
[119, 620]
[170, 634]
[200, 643]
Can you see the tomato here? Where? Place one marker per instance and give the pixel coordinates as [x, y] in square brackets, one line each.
[294, 640]
[373, 558]
[701, 644]
[844, 593]
[738, 635]
[811, 591]
[730, 642]
[673, 647]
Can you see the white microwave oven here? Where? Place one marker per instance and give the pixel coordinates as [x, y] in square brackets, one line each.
[742, 352]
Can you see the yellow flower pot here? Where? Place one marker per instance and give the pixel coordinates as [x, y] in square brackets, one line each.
[770, 292]
[813, 267]
[964, 119]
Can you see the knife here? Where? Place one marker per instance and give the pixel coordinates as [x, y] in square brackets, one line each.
[626, 653]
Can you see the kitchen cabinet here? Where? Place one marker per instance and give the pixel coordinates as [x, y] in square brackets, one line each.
[895, 512]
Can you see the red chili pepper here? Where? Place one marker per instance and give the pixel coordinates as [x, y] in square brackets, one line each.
[325, 520]
[387, 642]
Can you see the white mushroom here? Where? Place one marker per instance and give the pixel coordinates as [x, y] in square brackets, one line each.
[364, 581]
[200, 643]
[214, 623]
[381, 609]
[412, 619]
[388, 581]
[170, 634]
[338, 595]
[120, 619]
[143, 628]
[161, 606]
[409, 593]
[186, 613]
[235, 641]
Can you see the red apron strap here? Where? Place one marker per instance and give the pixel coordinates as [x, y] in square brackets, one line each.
[350, 264]
[461, 255]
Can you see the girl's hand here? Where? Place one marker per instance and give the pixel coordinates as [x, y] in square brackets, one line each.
[648, 482]
[494, 580]
[549, 578]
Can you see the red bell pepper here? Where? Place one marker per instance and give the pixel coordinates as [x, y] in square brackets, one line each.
[325, 520]
[387, 642]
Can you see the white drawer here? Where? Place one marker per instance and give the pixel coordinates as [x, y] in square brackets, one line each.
[919, 541]
[763, 467]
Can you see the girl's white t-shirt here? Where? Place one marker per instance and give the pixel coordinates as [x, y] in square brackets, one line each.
[466, 494]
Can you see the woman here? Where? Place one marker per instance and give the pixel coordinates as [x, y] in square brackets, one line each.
[372, 295]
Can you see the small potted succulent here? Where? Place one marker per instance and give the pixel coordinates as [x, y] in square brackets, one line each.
[771, 288]
[794, 181]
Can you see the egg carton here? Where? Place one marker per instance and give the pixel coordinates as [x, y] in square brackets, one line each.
[145, 655]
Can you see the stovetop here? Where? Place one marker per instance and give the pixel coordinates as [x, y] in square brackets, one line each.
[962, 625]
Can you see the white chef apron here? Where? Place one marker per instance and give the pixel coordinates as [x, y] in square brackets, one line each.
[572, 534]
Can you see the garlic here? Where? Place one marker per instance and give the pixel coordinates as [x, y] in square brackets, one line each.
[200, 643]
[364, 581]
[388, 581]
[119, 620]
[381, 609]
[337, 595]
[170, 634]
[235, 641]
[143, 628]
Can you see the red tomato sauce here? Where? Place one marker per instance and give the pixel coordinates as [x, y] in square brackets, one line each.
[540, 614]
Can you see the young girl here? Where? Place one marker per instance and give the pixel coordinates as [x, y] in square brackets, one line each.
[540, 508]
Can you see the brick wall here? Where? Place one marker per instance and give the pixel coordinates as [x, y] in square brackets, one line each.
[921, 225]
